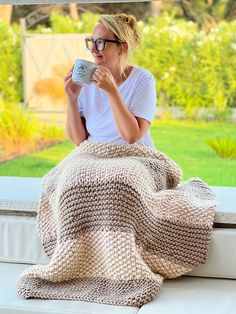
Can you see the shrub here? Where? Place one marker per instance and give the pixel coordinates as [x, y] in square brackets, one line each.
[64, 24]
[22, 132]
[225, 148]
[50, 133]
[17, 129]
[193, 69]
[10, 62]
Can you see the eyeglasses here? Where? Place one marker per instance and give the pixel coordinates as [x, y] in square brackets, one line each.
[99, 43]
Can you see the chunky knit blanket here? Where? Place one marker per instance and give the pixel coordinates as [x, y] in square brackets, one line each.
[115, 221]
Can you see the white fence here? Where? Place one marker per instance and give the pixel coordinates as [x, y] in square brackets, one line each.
[41, 55]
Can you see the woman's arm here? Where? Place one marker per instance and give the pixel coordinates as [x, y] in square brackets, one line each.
[131, 128]
[75, 124]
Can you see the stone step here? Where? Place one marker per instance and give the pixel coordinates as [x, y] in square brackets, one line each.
[186, 295]
[19, 196]
[190, 295]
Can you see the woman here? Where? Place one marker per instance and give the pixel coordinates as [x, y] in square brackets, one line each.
[110, 216]
[120, 104]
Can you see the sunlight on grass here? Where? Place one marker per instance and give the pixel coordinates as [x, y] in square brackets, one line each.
[185, 142]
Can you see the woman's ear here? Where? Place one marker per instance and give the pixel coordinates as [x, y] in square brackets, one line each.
[124, 48]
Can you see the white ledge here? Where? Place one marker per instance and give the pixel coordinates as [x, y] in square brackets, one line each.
[23, 193]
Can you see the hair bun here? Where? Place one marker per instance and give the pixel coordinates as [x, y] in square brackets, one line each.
[128, 19]
[124, 27]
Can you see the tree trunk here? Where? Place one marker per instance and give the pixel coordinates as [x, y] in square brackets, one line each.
[6, 12]
[157, 6]
[73, 11]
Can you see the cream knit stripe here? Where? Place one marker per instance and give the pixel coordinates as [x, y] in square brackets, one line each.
[95, 254]
[162, 266]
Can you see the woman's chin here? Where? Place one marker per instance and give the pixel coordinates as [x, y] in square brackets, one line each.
[98, 60]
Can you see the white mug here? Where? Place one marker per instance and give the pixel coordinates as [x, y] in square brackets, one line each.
[83, 71]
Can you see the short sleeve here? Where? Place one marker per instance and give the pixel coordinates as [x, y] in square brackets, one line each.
[143, 103]
[80, 102]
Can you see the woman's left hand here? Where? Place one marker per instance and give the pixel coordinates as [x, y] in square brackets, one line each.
[103, 78]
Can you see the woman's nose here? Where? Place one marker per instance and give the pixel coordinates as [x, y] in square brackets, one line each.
[94, 48]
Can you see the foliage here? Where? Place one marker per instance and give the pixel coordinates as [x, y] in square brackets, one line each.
[21, 131]
[64, 24]
[10, 62]
[17, 128]
[192, 68]
[207, 13]
[51, 133]
[225, 148]
[139, 9]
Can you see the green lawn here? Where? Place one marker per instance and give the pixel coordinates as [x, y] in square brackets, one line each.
[185, 142]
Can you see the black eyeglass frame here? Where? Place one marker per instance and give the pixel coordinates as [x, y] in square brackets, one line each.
[104, 40]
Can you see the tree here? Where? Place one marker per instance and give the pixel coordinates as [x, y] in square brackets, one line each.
[230, 10]
[73, 11]
[207, 13]
[157, 7]
[6, 12]
[140, 9]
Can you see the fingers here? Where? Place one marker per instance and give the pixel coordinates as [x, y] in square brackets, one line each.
[69, 85]
[105, 70]
[68, 75]
[100, 74]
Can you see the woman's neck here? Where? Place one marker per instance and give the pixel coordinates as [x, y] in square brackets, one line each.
[120, 76]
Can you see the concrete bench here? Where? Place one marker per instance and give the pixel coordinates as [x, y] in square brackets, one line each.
[210, 288]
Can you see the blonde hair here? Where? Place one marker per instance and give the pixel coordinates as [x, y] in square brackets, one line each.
[125, 28]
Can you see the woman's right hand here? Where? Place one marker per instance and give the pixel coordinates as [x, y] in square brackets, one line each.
[72, 90]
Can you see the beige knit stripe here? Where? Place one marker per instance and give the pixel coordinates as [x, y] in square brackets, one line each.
[156, 233]
[128, 201]
[132, 293]
[106, 254]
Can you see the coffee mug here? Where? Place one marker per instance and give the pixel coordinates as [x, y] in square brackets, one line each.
[83, 72]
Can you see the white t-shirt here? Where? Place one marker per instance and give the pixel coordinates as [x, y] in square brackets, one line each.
[139, 95]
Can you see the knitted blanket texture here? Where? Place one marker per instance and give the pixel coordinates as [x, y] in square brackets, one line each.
[115, 221]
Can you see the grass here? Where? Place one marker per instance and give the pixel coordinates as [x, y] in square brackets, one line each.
[37, 164]
[185, 142]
